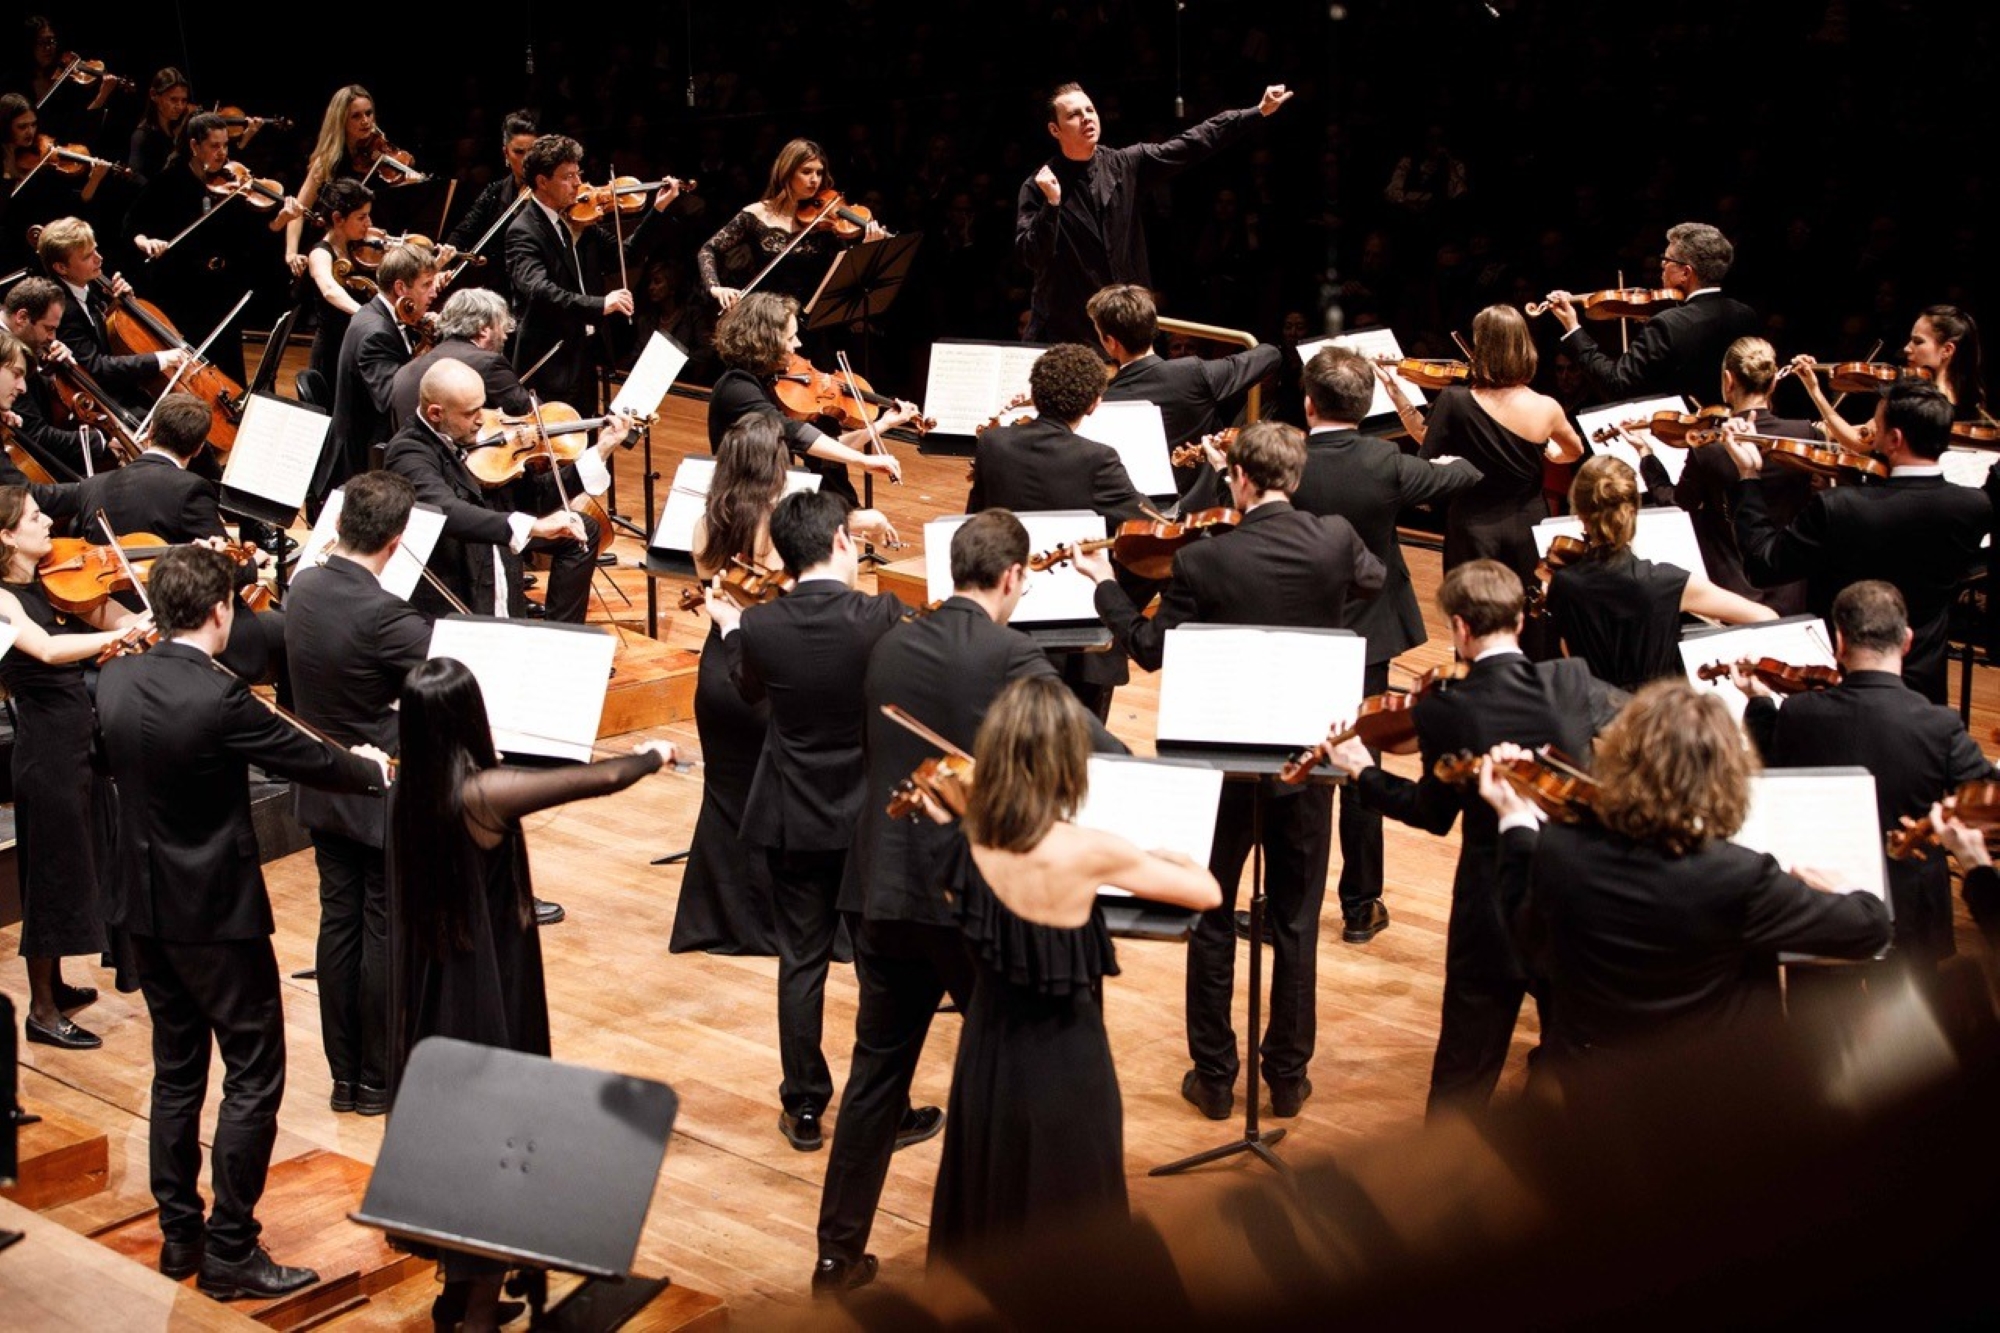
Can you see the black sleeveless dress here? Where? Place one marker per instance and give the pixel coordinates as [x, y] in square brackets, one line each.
[1036, 1128]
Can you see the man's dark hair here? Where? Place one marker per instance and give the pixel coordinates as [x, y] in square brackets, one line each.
[1124, 312]
[185, 585]
[374, 508]
[548, 153]
[199, 126]
[803, 525]
[983, 548]
[516, 123]
[1922, 413]
[1059, 91]
[1871, 616]
[181, 423]
[1485, 594]
[33, 296]
[1340, 383]
[1066, 381]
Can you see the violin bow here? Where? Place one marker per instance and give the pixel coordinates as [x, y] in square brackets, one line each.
[196, 356]
[1873, 352]
[562, 494]
[875, 445]
[464, 257]
[138, 585]
[47, 158]
[790, 246]
[1463, 346]
[530, 373]
[62, 78]
[910, 724]
[237, 192]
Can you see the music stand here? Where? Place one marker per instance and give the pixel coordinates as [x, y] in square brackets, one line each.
[521, 1159]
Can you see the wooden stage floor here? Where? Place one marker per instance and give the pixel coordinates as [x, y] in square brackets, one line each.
[735, 1207]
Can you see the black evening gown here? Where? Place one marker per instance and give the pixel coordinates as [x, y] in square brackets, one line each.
[1036, 1129]
[726, 902]
[1622, 615]
[1494, 520]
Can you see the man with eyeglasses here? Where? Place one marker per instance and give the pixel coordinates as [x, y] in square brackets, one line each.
[1680, 349]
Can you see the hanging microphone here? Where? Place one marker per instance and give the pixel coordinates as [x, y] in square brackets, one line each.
[531, 59]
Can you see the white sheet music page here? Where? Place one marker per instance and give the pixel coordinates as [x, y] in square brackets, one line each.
[1638, 409]
[1798, 640]
[405, 568]
[1967, 467]
[1373, 344]
[1256, 685]
[1155, 805]
[645, 388]
[1053, 596]
[970, 381]
[1663, 536]
[544, 684]
[277, 448]
[1824, 818]
[1139, 435]
[688, 496]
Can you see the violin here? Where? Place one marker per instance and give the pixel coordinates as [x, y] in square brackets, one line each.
[238, 123]
[233, 179]
[347, 271]
[87, 72]
[394, 165]
[69, 159]
[1815, 459]
[1019, 400]
[745, 583]
[1145, 546]
[1975, 435]
[946, 779]
[1548, 777]
[136, 641]
[1976, 804]
[1615, 303]
[1562, 550]
[843, 219]
[1383, 723]
[138, 327]
[1191, 455]
[378, 243]
[1780, 677]
[508, 445]
[1682, 430]
[79, 575]
[1865, 376]
[1428, 373]
[806, 392]
[422, 324]
[627, 194]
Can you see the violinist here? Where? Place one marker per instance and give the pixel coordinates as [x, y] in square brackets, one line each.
[1505, 697]
[379, 341]
[160, 124]
[1678, 349]
[1944, 341]
[1916, 530]
[1044, 464]
[761, 230]
[34, 186]
[68, 250]
[517, 136]
[1918, 752]
[1647, 920]
[563, 274]
[71, 112]
[1279, 566]
[346, 129]
[350, 214]
[34, 309]
[473, 328]
[756, 340]
[57, 798]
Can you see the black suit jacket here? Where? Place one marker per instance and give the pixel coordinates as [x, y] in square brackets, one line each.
[1041, 465]
[1505, 698]
[944, 669]
[1920, 533]
[152, 494]
[372, 350]
[473, 528]
[1190, 390]
[178, 735]
[59, 449]
[1369, 482]
[1631, 942]
[1678, 350]
[351, 642]
[504, 389]
[558, 293]
[807, 652]
[82, 331]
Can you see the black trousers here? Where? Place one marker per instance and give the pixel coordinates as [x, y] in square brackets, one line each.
[1360, 827]
[353, 959]
[805, 886]
[1298, 834]
[904, 970]
[1474, 1033]
[201, 996]
[571, 566]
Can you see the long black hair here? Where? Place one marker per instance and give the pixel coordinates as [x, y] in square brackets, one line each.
[445, 740]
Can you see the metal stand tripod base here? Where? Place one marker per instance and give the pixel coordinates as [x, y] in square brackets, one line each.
[672, 858]
[1255, 1141]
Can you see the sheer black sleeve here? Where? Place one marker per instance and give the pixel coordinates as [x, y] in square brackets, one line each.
[495, 797]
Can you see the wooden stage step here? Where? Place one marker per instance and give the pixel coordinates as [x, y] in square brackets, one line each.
[304, 1211]
[906, 579]
[55, 1281]
[61, 1160]
[407, 1305]
[651, 685]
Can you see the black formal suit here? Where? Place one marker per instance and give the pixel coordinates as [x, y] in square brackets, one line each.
[1632, 944]
[1982, 899]
[1918, 752]
[1504, 698]
[945, 669]
[1284, 567]
[1191, 390]
[560, 280]
[738, 393]
[59, 449]
[129, 377]
[372, 350]
[1921, 533]
[807, 653]
[353, 642]
[1369, 481]
[178, 736]
[1678, 350]
[504, 389]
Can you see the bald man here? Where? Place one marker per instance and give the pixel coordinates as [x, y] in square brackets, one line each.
[479, 555]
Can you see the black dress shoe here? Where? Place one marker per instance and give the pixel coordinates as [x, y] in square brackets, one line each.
[1214, 1100]
[370, 1101]
[1366, 924]
[1287, 1097]
[1243, 928]
[343, 1096]
[548, 914]
[64, 1034]
[801, 1130]
[254, 1276]
[919, 1123]
[69, 998]
[181, 1258]
[833, 1276]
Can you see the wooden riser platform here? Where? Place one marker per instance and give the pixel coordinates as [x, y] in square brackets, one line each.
[652, 685]
[55, 1281]
[61, 1160]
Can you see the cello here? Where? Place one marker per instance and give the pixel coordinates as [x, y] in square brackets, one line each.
[138, 327]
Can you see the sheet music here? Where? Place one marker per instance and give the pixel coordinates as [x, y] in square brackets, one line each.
[405, 568]
[1967, 467]
[1638, 409]
[276, 451]
[970, 381]
[544, 683]
[651, 376]
[1373, 344]
[689, 495]
[1824, 818]
[1664, 536]
[1257, 685]
[1053, 596]
[1154, 805]
[1138, 433]
[1799, 640]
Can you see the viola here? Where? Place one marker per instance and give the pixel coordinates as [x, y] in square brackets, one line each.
[348, 272]
[1866, 376]
[78, 575]
[807, 392]
[1383, 723]
[1816, 459]
[1548, 777]
[744, 582]
[70, 159]
[627, 194]
[946, 779]
[1429, 373]
[842, 218]
[1976, 804]
[1145, 546]
[138, 327]
[506, 446]
[1615, 303]
[1778, 676]
[1191, 455]
[28, 465]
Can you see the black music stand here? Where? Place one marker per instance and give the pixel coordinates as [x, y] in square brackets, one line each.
[518, 1158]
[660, 563]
